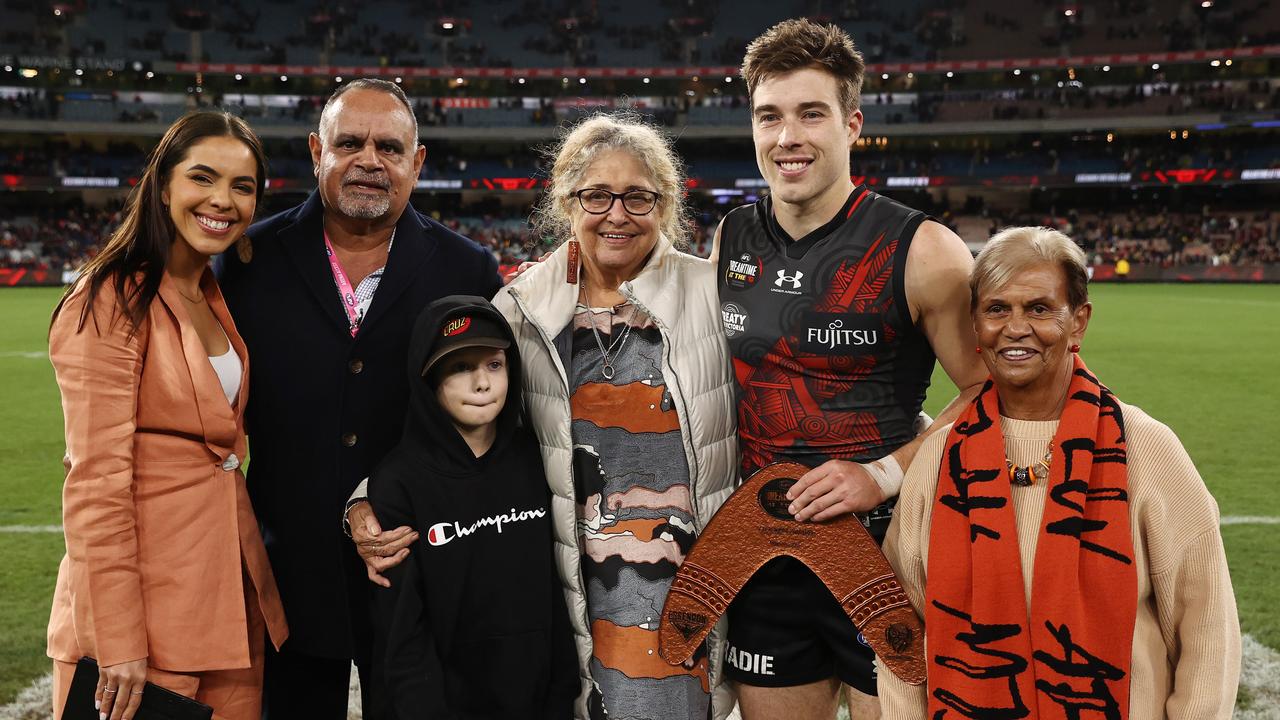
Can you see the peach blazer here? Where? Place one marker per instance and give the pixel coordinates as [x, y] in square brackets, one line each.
[159, 529]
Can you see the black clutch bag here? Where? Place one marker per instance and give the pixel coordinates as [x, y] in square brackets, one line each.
[157, 703]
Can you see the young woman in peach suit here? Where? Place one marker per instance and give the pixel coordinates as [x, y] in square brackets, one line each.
[165, 578]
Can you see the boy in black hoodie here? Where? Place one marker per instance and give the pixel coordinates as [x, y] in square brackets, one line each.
[474, 624]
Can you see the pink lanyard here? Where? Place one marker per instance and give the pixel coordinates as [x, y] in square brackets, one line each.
[345, 291]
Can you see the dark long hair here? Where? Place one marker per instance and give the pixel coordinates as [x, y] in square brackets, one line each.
[133, 260]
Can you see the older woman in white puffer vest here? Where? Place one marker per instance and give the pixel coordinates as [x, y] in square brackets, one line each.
[629, 387]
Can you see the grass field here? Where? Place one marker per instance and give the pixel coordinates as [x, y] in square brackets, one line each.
[1201, 358]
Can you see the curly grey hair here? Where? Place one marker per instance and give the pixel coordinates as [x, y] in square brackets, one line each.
[573, 155]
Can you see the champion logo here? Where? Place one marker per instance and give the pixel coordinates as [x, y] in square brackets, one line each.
[446, 532]
[793, 281]
[457, 326]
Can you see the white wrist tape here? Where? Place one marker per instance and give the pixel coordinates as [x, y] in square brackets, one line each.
[887, 473]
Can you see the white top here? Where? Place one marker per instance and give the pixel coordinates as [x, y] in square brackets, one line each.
[228, 367]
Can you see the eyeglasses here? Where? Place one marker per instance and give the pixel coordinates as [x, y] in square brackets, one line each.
[599, 201]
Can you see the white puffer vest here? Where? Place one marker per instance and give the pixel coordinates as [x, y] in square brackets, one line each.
[679, 292]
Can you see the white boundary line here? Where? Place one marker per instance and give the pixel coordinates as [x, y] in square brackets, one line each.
[1250, 520]
[1260, 678]
[29, 529]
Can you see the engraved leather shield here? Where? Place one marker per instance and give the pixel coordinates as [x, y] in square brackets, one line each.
[754, 527]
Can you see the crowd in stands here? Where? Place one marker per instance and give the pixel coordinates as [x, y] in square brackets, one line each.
[56, 156]
[1048, 156]
[1167, 237]
[1236, 24]
[1153, 99]
[1115, 26]
[30, 105]
[67, 237]
[507, 33]
[1039, 101]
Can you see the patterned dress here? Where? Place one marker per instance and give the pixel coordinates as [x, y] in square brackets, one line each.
[635, 516]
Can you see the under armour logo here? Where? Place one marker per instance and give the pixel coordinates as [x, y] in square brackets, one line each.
[794, 280]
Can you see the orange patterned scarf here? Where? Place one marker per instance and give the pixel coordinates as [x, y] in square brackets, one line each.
[1066, 657]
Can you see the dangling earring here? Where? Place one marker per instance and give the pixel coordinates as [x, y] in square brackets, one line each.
[244, 249]
[978, 349]
[1075, 347]
[571, 272]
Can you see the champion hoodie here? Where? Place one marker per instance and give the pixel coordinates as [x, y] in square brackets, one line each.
[474, 624]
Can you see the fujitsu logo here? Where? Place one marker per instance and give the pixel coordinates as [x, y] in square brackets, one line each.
[445, 532]
[834, 335]
[792, 280]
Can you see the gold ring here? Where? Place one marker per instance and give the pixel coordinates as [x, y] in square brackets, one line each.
[109, 690]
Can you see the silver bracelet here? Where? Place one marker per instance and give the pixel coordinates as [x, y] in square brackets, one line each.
[346, 522]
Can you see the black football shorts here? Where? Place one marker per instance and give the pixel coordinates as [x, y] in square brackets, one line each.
[786, 629]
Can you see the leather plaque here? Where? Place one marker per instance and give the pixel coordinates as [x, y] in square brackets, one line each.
[754, 527]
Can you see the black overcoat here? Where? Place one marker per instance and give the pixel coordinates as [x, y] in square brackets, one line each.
[324, 407]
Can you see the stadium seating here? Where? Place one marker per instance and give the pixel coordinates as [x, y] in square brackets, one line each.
[522, 33]
[1015, 133]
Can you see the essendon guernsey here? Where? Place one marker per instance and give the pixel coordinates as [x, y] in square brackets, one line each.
[828, 362]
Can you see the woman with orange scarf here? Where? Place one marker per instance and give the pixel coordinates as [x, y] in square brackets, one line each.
[1059, 543]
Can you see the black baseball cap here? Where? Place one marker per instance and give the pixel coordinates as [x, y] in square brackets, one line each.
[467, 330]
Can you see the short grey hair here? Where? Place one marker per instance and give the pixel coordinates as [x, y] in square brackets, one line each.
[1017, 249]
[376, 85]
[572, 157]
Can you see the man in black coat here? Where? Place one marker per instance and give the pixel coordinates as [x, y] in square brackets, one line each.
[325, 296]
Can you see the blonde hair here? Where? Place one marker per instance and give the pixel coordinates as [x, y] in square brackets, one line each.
[574, 154]
[1016, 249]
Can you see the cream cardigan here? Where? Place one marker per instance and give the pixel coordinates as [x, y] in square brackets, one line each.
[678, 292]
[1186, 642]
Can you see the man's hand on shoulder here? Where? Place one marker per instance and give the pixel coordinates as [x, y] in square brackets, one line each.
[380, 550]
[520, 269]
[834, 488]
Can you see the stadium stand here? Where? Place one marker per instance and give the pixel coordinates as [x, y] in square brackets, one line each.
[1147, 130]
[512, 33]
[63, 238]
[987, 113]
[960, 160]
[1162, 99]
[528, 33]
